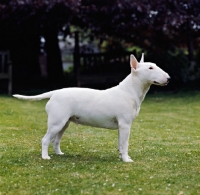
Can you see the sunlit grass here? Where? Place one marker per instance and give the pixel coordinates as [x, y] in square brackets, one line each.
[164, 144]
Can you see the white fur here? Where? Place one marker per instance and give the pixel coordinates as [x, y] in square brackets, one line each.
[113, 108]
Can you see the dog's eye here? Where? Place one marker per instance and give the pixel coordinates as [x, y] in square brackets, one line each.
[150, 67]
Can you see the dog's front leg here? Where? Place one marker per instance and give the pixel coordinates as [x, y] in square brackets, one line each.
[123, 138]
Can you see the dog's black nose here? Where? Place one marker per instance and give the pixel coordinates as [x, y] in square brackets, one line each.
[168, 79]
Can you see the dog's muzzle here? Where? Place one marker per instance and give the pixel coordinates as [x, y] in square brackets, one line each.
[168, 79]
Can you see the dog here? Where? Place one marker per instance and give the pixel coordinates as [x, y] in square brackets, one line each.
[113, 108]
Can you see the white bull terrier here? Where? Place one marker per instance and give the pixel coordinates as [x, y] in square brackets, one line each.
[113, 108]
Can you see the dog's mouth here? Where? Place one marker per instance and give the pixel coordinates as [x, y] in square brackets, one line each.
[155, 82]
[161, 84]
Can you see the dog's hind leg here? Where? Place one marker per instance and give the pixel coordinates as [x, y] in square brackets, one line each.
[56, 124]
[56, 140]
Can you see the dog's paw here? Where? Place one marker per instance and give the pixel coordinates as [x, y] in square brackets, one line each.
[126, 158]
[46, 157]
[60, 153]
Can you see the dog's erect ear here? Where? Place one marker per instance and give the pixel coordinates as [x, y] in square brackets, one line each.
[142, 58]
[133, 62]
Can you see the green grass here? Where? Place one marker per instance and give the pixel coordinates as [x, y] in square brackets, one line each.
[164, 144]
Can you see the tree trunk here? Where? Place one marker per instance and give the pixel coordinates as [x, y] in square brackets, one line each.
[77, 61]
[190, 43]
[54, 61]
[24, 55]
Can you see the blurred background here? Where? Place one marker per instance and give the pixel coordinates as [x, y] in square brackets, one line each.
[51, 44]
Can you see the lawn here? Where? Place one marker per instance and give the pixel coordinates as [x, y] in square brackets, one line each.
[164, 144]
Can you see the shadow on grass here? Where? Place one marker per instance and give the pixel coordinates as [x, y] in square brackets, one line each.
[25, 158]
[86, 158]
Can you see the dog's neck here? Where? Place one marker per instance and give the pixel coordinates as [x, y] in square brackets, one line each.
[132, 85]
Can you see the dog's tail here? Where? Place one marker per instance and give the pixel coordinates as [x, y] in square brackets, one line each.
[35, 97]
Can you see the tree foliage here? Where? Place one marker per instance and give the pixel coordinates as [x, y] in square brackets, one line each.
[155, 23]
[36, 15]
[152, 25]
[22, 23]
[140, 21]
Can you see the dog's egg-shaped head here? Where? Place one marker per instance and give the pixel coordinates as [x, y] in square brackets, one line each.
[147, 72]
